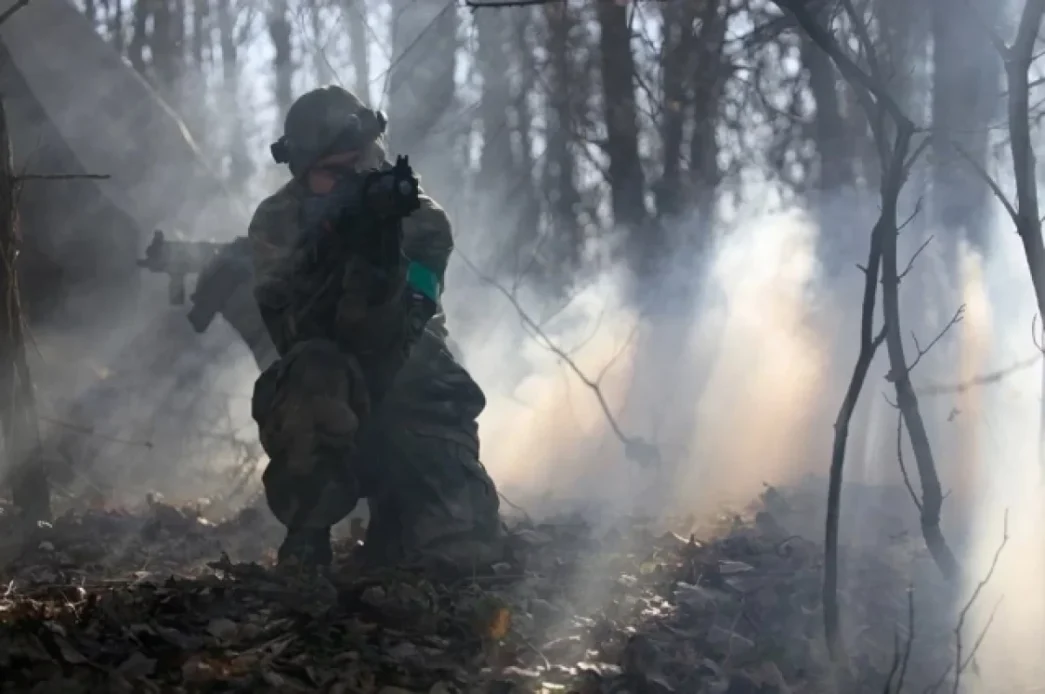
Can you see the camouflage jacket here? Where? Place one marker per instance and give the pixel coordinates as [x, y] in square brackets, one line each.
[434, 376]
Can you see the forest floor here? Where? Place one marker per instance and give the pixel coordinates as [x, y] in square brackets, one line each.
[152, 601]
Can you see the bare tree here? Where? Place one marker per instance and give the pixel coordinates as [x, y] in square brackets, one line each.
[18, 418]
[893, 132]
[240, 166]
[559, 175]
[1026, 212]
[282, 63]
[139, 37]
[676, 64]
[626, 179]
[354, 15]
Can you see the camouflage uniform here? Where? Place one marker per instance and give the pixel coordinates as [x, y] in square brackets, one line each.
[359, 415]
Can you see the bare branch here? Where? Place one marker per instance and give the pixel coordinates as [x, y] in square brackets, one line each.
[846, 65]
[955, 319]
[914, 256]
[981, 380]
[901, 659]
[10, 11]
[61, 177]
[635, 448]
[961, 662]
[986, 178]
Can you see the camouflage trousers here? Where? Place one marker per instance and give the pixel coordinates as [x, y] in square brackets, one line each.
[429, 496]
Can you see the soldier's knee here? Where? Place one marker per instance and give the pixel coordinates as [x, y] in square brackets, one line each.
[312, 397]
[319, 369]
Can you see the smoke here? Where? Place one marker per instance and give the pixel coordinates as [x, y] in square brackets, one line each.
[737, 389]
[728, 393]
[1003, 425]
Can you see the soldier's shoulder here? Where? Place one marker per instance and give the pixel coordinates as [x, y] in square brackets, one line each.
[277, 210]
[431, 220]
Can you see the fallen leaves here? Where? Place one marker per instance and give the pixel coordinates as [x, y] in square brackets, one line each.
[572, 611]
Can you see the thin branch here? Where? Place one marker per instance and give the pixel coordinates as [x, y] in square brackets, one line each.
[7, 14]
[846, 65]
[955, 319]
[914, 257]
[960, 662]
[61, 177]
[635, 448]
[981, 380]
[981, 172]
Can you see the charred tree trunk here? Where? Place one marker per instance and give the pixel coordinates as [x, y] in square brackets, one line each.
[282, 66]
[627, 182]
[559, 176]
[708, 82]
[18, 419]
[354, 13]
[676, 62]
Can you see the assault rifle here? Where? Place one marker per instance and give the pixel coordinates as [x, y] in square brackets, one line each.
[362, 216]
[222, 269]
[382, 196]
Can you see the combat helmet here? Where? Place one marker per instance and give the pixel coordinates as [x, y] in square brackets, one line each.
[325, 120]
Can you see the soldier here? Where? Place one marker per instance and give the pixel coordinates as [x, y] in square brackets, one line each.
[357, 415]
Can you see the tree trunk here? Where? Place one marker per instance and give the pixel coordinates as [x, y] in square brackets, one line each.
[139, 37]
[355, 17]
[115, 27]
[279, 33]
[240, 167]
[18, 419]
[709, 78]
[627, 183]
[676, 62]
[524, 246]
[320, 60]
[200, 28]
[559, 177]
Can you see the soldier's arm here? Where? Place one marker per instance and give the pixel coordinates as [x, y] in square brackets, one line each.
[270, 234]
[428, 242]
[385, 337]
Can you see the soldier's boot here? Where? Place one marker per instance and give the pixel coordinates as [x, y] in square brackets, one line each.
[446, 519]
[306, 548]
[309, 505]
